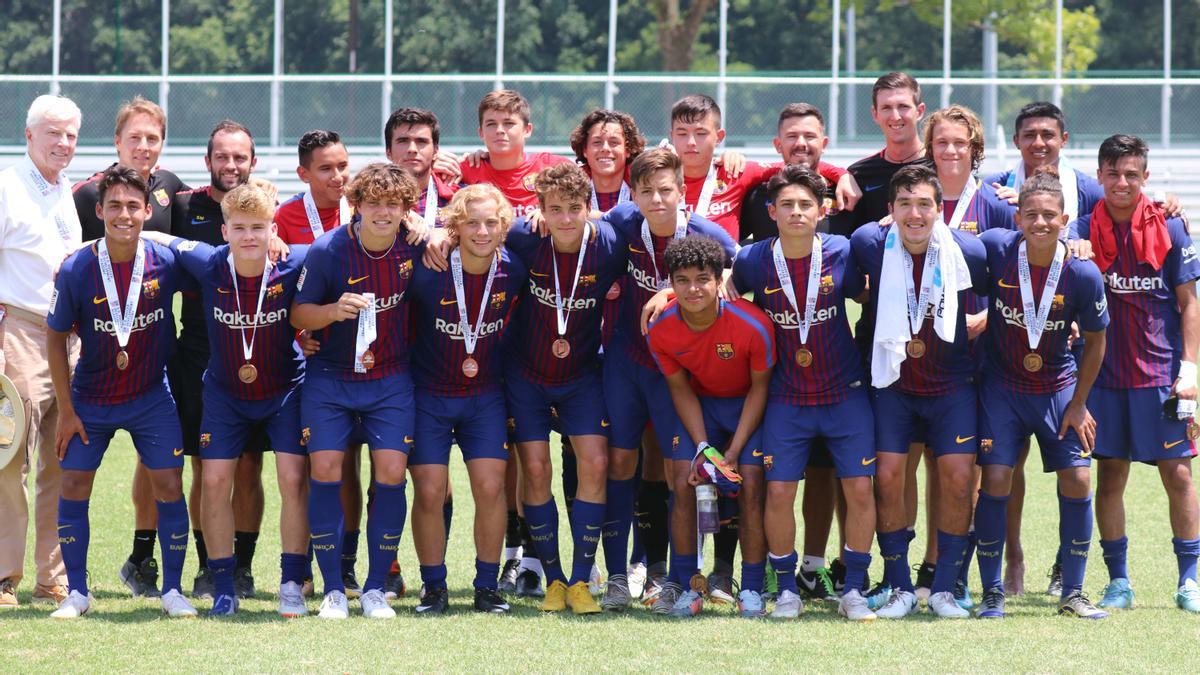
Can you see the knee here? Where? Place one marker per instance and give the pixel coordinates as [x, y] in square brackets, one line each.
[538, 471]
[217, 483]
[622, 464]
[389, 473]
[168, 484]
[75, 486]
[592, 464]
[324, 468]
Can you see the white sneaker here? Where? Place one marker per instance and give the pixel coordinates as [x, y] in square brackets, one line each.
[291, 601]
[900, 605]
[76, 605]
[853, 606]
[944, 606]
[176, 606]
[375, 606]
[636, 578]
[335, 606]
[788, 606]
[595, 581]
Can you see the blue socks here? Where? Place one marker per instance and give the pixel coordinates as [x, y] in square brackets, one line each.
[542, 520]
[385, 523]
[856, 569]
[586, 520]
[294, 567]
[1074, 540]
[1115, 557]
[486, 574]
[893, 546]
[222, 571]
[325, 524]
[991, 521]
[785, 571]
[172, 541]
[754, 574]
[964, 572]
[683, 568]
[951, 558]
[448, 515]
[618, 520]
[434, 576]
[74, 534]
[1187, 551]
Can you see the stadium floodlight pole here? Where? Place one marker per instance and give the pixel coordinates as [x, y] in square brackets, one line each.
[388, 29]
[723, 55]
[500, 44]
[610, 87]
[946, 6]
[277, 70]
[1058, 52]
[57, 47]
[990, 58]
[834, 58]
[164, 87]
[1166, 86]
[851, 71]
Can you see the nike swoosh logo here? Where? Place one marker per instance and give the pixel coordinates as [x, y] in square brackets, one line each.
[199, 219]
[1004, 284]
[757, 453]
[408, 440]
[1076, 542]
[63, 527]
[539, 527]
[868, 462]
[1168, 446]
[771, 291]
[538, 274]
[177, 451]
[224, 291]
[605, 424]
[177, 537]
[592, 527]
[1084, 454]
[871, 188]
[589, 555]
[321, 536]
[635, 250]
[446, 302]
[960, 440]
[351, 280]
[99, 300]
[390, 537]
[989, 543]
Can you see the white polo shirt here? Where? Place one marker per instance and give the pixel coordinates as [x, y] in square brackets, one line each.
[38, 228]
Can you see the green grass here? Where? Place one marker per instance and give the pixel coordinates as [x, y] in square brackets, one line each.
[132, 635]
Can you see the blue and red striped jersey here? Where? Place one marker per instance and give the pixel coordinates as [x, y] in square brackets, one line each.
[1145, 336]
[439, 350]
[80, 303]
[944, 366]
[276, 356]
[337, 264]
[535, 326]
[1079, 298]
[836, 363]
[719, 358]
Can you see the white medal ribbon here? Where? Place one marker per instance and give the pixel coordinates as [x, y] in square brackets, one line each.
[1035, 321]
[470, 335]
[622, 196]
[559, 314]
[706, 192]
[431, 203]
[964, 202]
[248, 348]
[681, 221]
[314, 216]
[122, 321]
[917, 305]
[366, 332]
[815, 262]
[39, 183]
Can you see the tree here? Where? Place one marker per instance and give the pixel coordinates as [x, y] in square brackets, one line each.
[677, 30]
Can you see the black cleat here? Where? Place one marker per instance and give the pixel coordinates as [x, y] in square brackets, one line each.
[837, 573]
[142, 579]
[508, 576]
[436, 600]
[393, 584]
[924, 580]
[488, 600]
[243, 583]
[353, 590]
[202, 587]
[529, 585]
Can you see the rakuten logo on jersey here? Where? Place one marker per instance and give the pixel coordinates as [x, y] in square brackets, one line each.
[643, 278]
[140, 322]
[239, 320]
[790, 319]
[546, 297]
[390, 302]
[1124, 285]
[1016, 317]
[454, 328]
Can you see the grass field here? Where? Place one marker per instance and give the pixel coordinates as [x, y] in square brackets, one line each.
[132, 635]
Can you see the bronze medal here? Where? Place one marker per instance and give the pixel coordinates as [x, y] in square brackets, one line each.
[1193, 430]
[804, 357]
[122, 360]
[247, 373]
[1032, 362]
[470, 367]
[915, 348]
[561, 348]
[368, 359]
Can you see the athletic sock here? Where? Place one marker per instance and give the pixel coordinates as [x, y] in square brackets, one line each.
[570, 475]
[486, 574]
[856, 568]
[433, 576]
[325, 525]
[785, 571]
[172, 541]
[350, 545]
[653, 516]
[385, 523]
[683, 568]
[586, 521]
[1115, 557]
[1187, 551]
[964, 571]
[74, 535]
[542, 520]
[244, 544]
[952, 549]
[201, 549]
[512, 532]
[812, 563]
[293, 567]
[222, 571]
[448, 515]
[893, 546]
[143, 545]
[618, 519]
[991, 519]
[1074, 539]
[725, 541]
[754, 574]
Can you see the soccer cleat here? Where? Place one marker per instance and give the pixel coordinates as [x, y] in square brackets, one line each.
[751, 604]
[788, 606]
[853, 606]
[992, 606]
[689, 604]
[433, 601]
[50, 595]
[1054, 588]
[1078, 605]
[556, 597]
[141, 578]
[76, 605]
[243, 583]
[176, 606]
[529, 585]
[291, 601]
[595, 581]
[924, 580]
[202, 585]
[580, 600]
[616, 594]
[817, 585]
[488, 600]
[837, 573]
[656, 578]
[353, 590]
[771, 584]
[945, 606]
[636, 579]
[375, 606]
[962, 594]
[899, 605]
[393, 584]
[1187, 597]
[334, 606]
[665, 599]
[720, 588]
[879, 596]
[508, 576]
[1117, 595]
[224, 605]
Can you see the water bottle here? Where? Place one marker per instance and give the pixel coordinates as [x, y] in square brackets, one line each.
[707, 519]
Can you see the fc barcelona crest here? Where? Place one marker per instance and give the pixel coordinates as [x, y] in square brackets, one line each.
[725, 350]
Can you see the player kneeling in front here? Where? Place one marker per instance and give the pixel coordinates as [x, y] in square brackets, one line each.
[117, 294]
[717, 357]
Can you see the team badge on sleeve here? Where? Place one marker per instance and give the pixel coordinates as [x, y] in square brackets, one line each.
[725, 350]
[161, 196]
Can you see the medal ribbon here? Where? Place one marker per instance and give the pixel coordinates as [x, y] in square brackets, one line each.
[248, 348]
[964, 201]
[622, 196]
[559, 314]
[814, 283]
[1035, 322]
[706, 192]
[39, 183]
[366, 332]
[916, 306]
[681, 221]
[314, 216]
[431, 203]
[471, 335]
[122, 321]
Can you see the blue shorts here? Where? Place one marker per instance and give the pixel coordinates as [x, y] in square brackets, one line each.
[151, 421]
[1130, 425]
[847, 428]
[330, 409]
[227, 423]
[478, 423]
[721, 417]
[1007, 418]
[578, 407]
[948, 421]
[634, 396]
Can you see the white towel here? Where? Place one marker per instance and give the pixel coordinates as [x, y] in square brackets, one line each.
[892, 328]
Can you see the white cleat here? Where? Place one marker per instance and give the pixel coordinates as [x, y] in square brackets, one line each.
[291, 601]
[853, 606]
[375, 606]
[945, 607]
[335, 606]
[788, 606]
[596, 581]
[900, 605]
[636, 576]
[176, 606]
[76, 605]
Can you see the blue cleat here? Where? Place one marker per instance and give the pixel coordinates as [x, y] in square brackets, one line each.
[1117, 595]
[1188, 597]
[879, 596]
[224, 605]
[962, 595]
[992, 606]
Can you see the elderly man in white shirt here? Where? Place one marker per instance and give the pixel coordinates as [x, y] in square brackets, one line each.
[38, 228]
